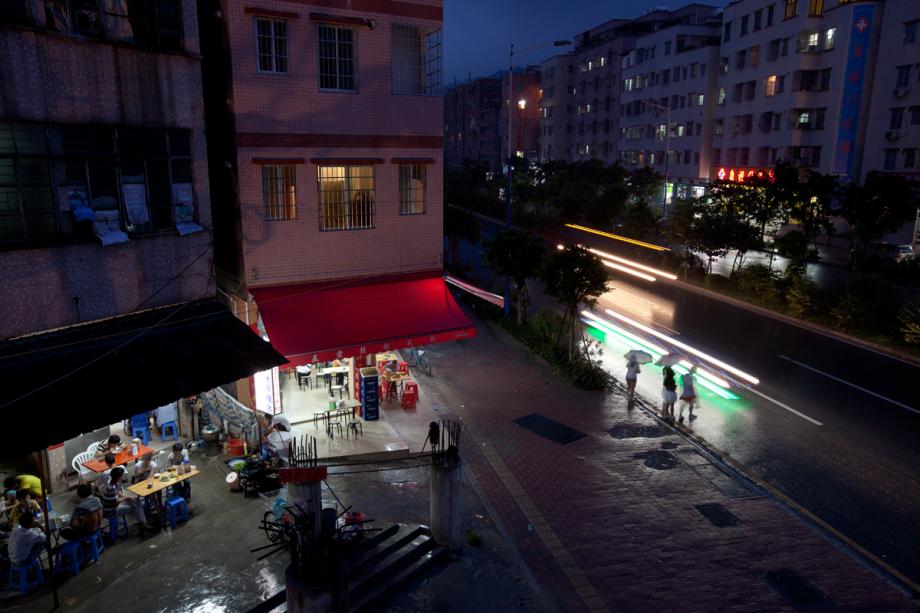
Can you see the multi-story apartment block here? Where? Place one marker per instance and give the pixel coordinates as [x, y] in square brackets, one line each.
[893, 124]
[105, 219]
[795, 84]
[472, 122]
[557, 82]
[330, 222]
[524, 105]
[666, 107]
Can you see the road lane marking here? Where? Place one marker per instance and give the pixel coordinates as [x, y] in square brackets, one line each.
[862, 389]
[785, 406]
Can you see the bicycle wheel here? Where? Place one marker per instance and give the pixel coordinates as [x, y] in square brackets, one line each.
[273, 535]
[412, 358]
[425, 366]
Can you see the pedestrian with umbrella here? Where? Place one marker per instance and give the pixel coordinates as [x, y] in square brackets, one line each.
[687, 394]
[634, 358]
[669, 385]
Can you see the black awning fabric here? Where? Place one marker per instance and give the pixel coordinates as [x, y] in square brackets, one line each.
[59, 384]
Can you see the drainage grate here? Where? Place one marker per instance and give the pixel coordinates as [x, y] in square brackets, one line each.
[793, 587]
[718, 515]
[548, 428]
[636, 431]
[658, 459]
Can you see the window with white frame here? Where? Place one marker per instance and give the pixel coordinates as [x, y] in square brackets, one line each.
[336, 57]
[412, 183]
[271, 44]
[279, 187]
[416, 64]
[346, 197]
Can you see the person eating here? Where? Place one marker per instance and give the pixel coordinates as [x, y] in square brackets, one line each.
[24, 505]
[86, 518]
[110, 445]
[26, 541]
[116, 504]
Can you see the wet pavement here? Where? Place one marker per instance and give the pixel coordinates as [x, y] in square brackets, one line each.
[857, 470]
[205, 566]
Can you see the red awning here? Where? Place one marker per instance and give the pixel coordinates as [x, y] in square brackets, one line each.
[321, 321]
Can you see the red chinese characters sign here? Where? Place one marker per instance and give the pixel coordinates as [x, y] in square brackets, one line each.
[740, 175]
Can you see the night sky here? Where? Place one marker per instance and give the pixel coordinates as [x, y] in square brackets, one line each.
[477, 32]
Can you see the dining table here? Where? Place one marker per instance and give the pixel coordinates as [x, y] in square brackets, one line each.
[159, 482]
[124, 456]
[329, 372]
[394, 379]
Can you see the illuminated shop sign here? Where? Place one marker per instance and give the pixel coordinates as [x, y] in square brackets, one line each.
[740, 175]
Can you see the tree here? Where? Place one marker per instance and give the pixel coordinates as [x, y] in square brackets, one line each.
[909, 318]
[519, 255]
[472, 186]
[459, 225]
[710, 234]
[573, 276]
[680, 226]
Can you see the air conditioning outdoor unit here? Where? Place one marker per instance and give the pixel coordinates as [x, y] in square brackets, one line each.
[900, 92]
[892, 135]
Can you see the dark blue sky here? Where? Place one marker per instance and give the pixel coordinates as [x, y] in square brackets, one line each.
[477, 32]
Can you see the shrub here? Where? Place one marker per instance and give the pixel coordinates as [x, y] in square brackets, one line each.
[758, 281]
[800, 295]
[846, 312]
[909, 318]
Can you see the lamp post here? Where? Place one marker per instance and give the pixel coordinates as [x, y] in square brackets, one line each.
[510, 159]
[667, 156]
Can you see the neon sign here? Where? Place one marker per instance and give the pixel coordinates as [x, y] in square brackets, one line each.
[740, 175]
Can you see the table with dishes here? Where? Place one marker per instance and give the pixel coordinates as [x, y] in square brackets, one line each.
[123, 457]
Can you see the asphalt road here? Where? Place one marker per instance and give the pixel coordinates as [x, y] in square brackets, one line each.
[832, 425]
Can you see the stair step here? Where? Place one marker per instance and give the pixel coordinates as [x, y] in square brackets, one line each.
[381, 590]
[361, 562]
[391, 565]
[378, 538]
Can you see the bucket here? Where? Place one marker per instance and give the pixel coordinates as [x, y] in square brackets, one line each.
[354, 517]
[233, 480]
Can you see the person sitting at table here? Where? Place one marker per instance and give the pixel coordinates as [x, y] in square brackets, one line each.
[26, 540]
[24, 505]
[145, 468]
[279, 438]
[392, 366]
[179, 455]
[115, 503]
[336, 363]
[86, 518]
[24, 482]
[109, 445]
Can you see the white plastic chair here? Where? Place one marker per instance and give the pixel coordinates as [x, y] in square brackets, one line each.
[92, 447]
[78, 464]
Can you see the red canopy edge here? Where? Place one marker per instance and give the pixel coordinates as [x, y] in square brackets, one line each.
[322, 321]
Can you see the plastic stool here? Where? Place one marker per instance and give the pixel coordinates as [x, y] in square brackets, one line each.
[143, 432]
[93, 544]
[116, 523]
[19, 576]
[69, 557]
[173, 427]
[176, 511]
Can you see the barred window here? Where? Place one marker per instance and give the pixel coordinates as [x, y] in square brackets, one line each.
[336, 58]
[279, 192]
[271, 43]
[416, 66]
[346, 197]
[412, 182]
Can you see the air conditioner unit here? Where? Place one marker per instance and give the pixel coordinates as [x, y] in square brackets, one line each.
[900, 92]
[892, 135]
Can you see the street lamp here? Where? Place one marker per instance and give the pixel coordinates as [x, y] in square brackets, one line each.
[667, 155]
[521, 105]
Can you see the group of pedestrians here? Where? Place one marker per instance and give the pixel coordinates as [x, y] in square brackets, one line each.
[668, 390]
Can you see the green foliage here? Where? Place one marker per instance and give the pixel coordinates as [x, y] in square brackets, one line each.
[473, 187]
[793, 245]
[573, 276]
[459, 225]
[801, 295]
[758, 281]
[881, 205]
[517, 254]
[909, 318]
[847, 312]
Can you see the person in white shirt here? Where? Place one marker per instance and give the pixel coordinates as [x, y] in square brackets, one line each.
[632, 373]
[279, 438]
[26, 540]
[179, 455]
[145, 468]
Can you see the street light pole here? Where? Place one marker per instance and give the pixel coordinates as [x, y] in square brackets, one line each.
[510, 159]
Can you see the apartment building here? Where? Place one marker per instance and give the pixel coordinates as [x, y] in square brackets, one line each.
[666, 108]
[105, 217]
[525, 111]
[472, 122]
[330, 221]
[795, 83]
[557, 83]
[893, 124]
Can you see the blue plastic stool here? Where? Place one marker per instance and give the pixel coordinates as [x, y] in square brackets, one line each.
[19, 576]
[93, 545]
[142, 433]
[69, 558]
[176, 511]
[115, 526]
[173, 427]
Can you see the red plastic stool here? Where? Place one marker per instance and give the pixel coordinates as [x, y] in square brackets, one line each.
[410, 395]
[404, 368]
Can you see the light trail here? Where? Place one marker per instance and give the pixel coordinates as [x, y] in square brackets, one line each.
[736, 371]
[616, 258]
[625, 239]
[628, 271]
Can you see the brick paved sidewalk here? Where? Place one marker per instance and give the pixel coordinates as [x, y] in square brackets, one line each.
[604, 530]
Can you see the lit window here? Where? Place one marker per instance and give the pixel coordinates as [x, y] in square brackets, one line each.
[769, 86]
[336, 58]
[829, 35]
[412, 182]
[346, 197]
[815, 8]
[271, 43]
[279, 192]
[792, 9]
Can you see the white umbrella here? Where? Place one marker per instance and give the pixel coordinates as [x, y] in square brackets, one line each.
[642, 357]
[670, 359]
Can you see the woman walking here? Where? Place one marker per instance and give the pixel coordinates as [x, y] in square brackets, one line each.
[687, 394]
[668, 394]
[632, 374]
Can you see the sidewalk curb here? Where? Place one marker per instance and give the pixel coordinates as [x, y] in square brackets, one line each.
[740, 473]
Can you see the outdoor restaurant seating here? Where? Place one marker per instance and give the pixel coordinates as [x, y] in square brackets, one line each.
[176, 510]
[77, 464]
[24, 577]
[140, 425]
[117, 523]
[69, 557]
[166, 418]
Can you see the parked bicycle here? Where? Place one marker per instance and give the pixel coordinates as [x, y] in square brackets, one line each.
[417, 358]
